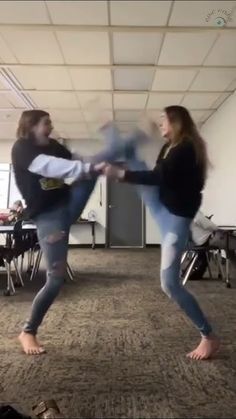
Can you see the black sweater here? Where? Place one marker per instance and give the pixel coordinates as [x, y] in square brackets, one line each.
[179, 177]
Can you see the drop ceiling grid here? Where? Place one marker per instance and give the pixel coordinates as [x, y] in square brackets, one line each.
[67, 70]
[204, 60]
[147, 96]
[159, 54]
[112, 58]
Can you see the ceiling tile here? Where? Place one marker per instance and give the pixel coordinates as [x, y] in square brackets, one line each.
[11, 115]
[200, 100]
[145, 47]
[232, 86]
[133, 79]
[126, 127]
[8, 131]
[43, 78]
[178, 48]
[91, 78]
[172, 80]
[3, 86]
[66, 116]
[6, 55]
[160, 100]
[224, 51]
[221, 99]
[34, 47]
[139, 13]
[208, 113]
[29, 12]
[4, 103]
[154, 114]
[201, 13]
[78, 12]
[10, 100]
[95, 102]
[200, 115]
[129, 100]
[55, 100]
[71, 128]
[127, 115]
[213, 79]
[94, 131]
[79, 47]
[71, 131]
[97, 117]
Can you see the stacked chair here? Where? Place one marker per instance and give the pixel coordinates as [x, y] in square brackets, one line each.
[196, 260]
[20, 243]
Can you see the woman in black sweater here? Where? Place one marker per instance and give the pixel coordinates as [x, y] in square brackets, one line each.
[41, 166]
[175, 196]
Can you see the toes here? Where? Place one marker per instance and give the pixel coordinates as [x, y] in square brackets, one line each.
[190, 355]
[195, 355]
[35, 351]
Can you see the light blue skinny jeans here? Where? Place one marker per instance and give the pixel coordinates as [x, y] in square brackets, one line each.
[53, 232]
[174, 235]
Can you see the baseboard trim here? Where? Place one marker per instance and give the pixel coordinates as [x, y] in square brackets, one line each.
[157, 246]
[86, 246]
[103, 246]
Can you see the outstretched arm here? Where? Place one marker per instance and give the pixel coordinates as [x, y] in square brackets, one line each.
[58, 168]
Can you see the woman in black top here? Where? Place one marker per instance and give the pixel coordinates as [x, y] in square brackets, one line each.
[41, 166]
[174, 198]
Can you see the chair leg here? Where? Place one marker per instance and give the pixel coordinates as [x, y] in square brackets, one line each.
[70, 272]
[10, 285]
[227, 278]
[184, 256]
[22, 264]
[186, 276]
[18, 272]
[220, 269]
[208, 265]
[36, 265]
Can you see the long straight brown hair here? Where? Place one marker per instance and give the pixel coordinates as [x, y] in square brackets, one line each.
[28, 120]
[185, 128]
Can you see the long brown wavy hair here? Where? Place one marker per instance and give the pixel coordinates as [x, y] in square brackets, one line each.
[185, 128]
[28, 120]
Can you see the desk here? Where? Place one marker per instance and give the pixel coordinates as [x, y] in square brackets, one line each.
[92, 224]
[228, 230]
[8, 229]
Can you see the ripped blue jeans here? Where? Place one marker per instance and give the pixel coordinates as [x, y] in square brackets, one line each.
[53, 233]
[174, 235]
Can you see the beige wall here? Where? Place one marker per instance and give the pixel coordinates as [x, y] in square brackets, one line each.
[5, 151]
[220, 134]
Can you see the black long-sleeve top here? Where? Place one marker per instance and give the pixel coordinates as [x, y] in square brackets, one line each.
[179, 177]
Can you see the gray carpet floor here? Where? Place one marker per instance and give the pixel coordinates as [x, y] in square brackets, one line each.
[116, 345]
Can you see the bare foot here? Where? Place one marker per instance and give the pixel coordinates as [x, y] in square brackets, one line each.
[30, 344]
[206, 349]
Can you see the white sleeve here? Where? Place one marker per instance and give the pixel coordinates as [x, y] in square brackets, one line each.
[58, 168]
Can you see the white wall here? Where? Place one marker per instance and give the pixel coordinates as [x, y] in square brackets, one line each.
[5, 151]
[97, 202]
[220, 193]
[149, 154]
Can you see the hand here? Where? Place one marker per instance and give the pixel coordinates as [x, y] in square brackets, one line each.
[114, 172]
[99, 167]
